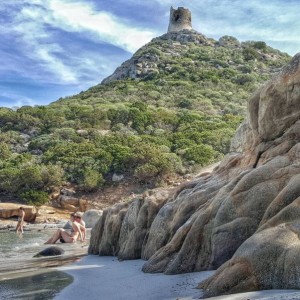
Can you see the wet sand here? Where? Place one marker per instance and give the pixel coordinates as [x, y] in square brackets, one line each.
[98, 277]
[106, 278]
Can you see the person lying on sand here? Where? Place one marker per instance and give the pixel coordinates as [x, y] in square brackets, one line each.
[20, 220]
[65, 236]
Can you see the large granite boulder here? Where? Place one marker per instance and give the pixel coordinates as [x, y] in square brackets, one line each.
[242, 219]
[91, 217]
[50, 251]
[9, 210]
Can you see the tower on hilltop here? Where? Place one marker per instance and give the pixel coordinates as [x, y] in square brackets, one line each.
[180, 19]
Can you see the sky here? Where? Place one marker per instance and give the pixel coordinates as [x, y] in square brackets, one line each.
[56, 48]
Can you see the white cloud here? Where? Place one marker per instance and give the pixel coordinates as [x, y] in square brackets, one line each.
[30, 27]
[80, 16]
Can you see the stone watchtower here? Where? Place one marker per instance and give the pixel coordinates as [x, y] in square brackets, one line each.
[180, 19]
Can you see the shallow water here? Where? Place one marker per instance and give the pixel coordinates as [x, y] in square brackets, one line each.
[28, 278]
[35, 287]
[20, 246]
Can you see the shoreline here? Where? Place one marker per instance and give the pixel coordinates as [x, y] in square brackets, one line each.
[12, 269]
[23, 276]
[21, 261]
[76, 275]
[105, 277]
[81, 276]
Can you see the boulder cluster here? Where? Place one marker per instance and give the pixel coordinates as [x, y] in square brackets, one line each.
[242, 219]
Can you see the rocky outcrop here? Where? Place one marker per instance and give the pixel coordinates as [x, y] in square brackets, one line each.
[147, 62]
[48, 214]
[91, 217]
[50, 251]
[157, 58]
[67, 199]
[242, 219]
[126, 239]
[9, 210]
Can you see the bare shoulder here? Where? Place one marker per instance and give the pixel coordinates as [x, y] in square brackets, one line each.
[75, 226]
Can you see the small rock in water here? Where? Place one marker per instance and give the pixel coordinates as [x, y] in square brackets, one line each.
[50, 251]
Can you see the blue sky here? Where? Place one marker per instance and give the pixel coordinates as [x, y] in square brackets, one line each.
[55, 48]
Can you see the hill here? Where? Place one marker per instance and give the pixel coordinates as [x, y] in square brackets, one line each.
[242, 219]
[172, 107]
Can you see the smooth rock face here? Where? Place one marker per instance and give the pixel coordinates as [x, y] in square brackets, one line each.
[8, 210]
[91, 217]
[243, 218]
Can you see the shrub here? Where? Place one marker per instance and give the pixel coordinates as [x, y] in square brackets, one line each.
[10, 180]
[34, 197]
[250, 54]
[5, 152]
[186, 103]
[92, 180]
[260, 45]
[200, 154]
[146, 172]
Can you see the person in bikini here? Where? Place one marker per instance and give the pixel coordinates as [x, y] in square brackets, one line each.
[81, 223]
[21, 217]
[65, 236]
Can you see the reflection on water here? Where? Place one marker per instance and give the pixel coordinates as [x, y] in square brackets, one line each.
[25, 277]
[36, 287]
[16, 250]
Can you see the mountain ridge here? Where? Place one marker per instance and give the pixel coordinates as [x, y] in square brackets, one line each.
[179, 38]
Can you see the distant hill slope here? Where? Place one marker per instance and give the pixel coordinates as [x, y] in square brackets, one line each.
[172, 107]
[188, 70]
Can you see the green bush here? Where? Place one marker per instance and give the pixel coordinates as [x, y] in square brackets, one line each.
[10, 180]
[92, 180]
[34, 197]
[200, 154]
[260, 45]
[5, 152]
[146, 172]
[250, 54]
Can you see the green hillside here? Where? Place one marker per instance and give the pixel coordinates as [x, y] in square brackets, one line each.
[172, 107]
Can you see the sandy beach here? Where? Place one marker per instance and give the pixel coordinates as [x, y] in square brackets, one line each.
[106, 278]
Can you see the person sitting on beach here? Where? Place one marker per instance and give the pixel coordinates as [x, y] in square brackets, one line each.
[65, 236]
[81, 223]
[21, 220]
